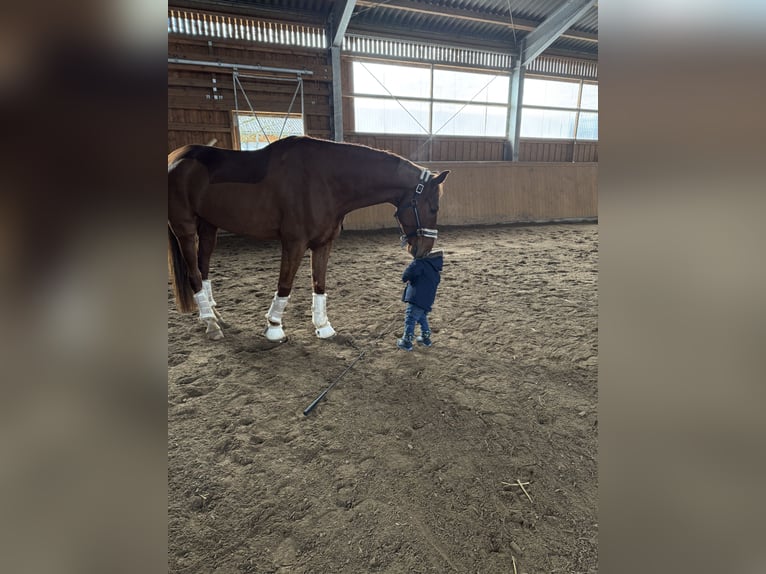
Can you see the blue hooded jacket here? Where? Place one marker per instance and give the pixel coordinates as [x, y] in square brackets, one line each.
[422, 277]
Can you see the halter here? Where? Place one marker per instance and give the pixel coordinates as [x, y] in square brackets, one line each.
[420, 231]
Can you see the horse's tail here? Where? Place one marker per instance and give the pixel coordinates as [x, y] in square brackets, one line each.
[179, 276]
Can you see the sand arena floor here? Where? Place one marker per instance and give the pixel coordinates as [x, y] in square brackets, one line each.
[413, 462]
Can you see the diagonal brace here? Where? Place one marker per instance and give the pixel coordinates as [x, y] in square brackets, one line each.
[554, 26]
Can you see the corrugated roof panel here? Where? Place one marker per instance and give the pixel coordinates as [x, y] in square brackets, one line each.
[535, 9]
[589, 21]
[423, 16]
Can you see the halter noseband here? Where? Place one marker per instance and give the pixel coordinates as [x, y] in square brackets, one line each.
[420, 231]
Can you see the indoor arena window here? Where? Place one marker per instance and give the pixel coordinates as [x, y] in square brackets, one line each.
[559, 109]
[424, 100]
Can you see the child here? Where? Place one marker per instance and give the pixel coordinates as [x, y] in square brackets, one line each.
[422, 277]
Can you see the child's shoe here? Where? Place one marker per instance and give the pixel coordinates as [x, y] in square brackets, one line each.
[425, 339]
[405, 343]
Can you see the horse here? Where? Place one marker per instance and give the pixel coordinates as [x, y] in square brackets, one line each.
[297, 190]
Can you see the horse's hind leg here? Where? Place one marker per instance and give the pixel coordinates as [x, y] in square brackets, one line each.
[186, 177]
[319, 258]
[188, 246]
[208, 235]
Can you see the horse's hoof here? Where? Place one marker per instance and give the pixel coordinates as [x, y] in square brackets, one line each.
[275, 334]
[219, 318]
[325, 332]
[215, 335]
[212, 329]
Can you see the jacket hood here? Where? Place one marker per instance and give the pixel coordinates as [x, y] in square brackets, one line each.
[436, 259]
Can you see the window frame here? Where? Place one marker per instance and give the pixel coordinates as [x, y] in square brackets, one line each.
[577, 110]
[432, 68]
[235, 131]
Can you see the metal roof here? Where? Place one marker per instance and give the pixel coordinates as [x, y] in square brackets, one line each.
[483, 24]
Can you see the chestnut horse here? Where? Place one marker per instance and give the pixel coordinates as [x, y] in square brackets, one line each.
[297, 190]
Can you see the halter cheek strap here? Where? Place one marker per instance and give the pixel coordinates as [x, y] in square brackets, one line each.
[425, 175]
[420, 231]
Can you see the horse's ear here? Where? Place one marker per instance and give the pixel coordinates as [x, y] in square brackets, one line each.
[441, 177]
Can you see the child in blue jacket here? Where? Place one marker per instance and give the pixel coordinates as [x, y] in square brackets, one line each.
[422, 277]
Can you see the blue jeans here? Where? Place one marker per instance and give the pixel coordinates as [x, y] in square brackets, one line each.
[414, 314]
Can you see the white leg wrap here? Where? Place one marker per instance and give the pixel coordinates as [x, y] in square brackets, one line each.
[205, 310]
[278, 304]
[207, 286]
[207, 315]
[319, 316]
[274, 331]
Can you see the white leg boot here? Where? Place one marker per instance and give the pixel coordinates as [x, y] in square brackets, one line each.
[319, 316]
[274, 331]
[206, 315]
[207, 287]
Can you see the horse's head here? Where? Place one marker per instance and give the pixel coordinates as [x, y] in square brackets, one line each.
[417, 212]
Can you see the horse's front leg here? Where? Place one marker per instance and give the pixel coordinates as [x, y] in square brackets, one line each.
[319, 258]
[292, 253]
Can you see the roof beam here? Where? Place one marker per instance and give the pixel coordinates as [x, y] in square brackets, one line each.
[458, 14]
[552, 28]
[339, 19]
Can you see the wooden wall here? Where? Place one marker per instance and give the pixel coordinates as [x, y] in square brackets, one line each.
[418, 149]
[558, 150]
[486, 193]
[444, 148]
[194, 117]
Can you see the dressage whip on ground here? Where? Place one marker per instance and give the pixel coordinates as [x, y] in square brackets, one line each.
[322, 395]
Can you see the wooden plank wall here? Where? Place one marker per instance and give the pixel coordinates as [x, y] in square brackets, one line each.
[558, 150]
[194, 117]
[416, 148]
[486, 193]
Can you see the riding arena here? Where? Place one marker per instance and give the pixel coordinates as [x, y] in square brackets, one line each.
[301, 438]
